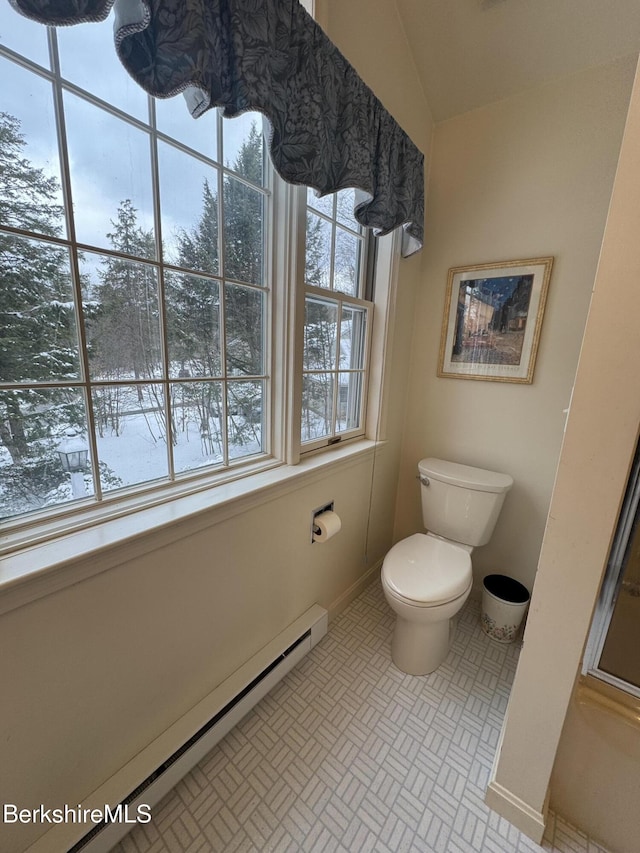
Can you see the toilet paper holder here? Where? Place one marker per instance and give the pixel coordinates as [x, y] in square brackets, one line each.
[318, 511]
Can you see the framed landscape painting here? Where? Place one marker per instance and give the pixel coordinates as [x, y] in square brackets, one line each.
[492, 320]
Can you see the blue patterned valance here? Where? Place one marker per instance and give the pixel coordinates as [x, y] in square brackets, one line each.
[328, 130]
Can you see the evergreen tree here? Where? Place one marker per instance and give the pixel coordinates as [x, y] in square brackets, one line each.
[123, 330]
[125, 333]
[244, 259]
[198, 248]
[320, 317]
[317, 252]
[243, 215]
[193, 329]
[320, 334]
[193, 303]
[37, 332]
[28, 199]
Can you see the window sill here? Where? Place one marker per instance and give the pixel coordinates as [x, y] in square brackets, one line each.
[44, 568]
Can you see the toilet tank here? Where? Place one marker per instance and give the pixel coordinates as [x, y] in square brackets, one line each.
[461, 503]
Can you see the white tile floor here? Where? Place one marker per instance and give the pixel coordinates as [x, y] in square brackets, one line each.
[349, 754]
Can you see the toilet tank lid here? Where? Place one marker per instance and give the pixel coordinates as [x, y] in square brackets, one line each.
[465, 476]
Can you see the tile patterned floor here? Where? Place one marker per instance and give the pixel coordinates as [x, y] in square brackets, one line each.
[348, 754]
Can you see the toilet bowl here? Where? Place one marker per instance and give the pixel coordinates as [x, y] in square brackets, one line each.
[426, 580]
[427, 577]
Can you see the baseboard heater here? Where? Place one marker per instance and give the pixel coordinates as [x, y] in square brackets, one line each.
[247, 686]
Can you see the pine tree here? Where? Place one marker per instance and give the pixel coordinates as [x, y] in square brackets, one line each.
[37, 332]
[320, 334]
[125, 333]
[123, 328]
[28, 199]
[243, 214]
[193, 303]
[244, 259]
[198, 248]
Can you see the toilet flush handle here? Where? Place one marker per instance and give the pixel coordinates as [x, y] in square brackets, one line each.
[424, 480]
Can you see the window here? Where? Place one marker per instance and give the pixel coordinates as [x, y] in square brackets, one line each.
[136, 297]
[135, 283]
[337, 319]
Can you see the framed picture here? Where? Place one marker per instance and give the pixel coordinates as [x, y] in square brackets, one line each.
[492, 320]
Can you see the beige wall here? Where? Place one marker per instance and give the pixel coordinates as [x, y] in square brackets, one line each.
[371, 36]
[525, 177]
[596, 776]
[595, 782]
[93, 673]
[100, 669]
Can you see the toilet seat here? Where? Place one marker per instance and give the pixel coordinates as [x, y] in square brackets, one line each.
[425, 571]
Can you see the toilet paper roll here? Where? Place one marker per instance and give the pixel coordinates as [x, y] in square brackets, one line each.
[326, 525]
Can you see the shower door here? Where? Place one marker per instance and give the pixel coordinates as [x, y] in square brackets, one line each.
[613, 650]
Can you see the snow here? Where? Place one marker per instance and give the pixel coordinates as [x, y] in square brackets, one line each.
[139, 453]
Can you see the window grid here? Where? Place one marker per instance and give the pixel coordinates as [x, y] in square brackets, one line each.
[86, 382]
[326, 290]
[342, 289]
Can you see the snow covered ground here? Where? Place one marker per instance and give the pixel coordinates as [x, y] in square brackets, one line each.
[137, 454]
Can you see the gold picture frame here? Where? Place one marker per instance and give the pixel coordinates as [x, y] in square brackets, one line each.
[492, 320]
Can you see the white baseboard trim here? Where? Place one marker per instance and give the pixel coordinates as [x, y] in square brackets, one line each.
[155, 770]
[354, 590]
[516, 811]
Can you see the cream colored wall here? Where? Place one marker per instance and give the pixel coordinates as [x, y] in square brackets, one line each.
[93, 673]
[596, 776]
[371, 36]
[595, 781]
[525, 177]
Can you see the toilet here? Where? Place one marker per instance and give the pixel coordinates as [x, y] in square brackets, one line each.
[427, 577]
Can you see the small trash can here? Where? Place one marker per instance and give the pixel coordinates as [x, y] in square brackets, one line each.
[504, 603]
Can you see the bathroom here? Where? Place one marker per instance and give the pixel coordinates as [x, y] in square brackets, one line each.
[101, 667]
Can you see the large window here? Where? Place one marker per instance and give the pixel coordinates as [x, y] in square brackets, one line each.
[133, 276]
[136, 298]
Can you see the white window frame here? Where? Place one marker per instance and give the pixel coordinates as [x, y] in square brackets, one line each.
[340, 299]
[198, 478]
[144, 506]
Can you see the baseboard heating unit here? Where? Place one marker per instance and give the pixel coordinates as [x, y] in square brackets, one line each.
[157, 769]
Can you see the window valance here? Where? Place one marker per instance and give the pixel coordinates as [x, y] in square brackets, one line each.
[328, 129]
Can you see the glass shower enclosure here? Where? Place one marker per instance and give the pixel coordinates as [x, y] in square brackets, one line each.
[613, 648]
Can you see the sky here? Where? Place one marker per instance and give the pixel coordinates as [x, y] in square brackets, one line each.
[110, 158]
[99, 143]
[110, 161]
[499, 289]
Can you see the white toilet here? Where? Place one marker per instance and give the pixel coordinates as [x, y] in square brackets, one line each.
[427, 577]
